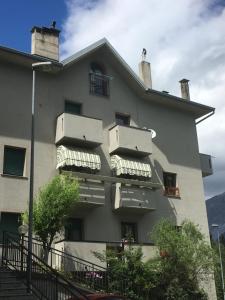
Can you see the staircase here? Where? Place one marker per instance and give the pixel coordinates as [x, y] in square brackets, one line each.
[46, 282]
[12, 286]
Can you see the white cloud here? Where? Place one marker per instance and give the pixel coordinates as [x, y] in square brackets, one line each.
[184, 38]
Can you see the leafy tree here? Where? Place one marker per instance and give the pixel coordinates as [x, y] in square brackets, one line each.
[186, 259]
[52, 206]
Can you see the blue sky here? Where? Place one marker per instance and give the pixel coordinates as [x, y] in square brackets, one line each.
[183, 40]
[17, 17]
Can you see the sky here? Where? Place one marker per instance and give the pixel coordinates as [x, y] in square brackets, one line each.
[183, 38]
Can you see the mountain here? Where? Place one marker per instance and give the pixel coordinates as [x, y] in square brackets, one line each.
[216, 213]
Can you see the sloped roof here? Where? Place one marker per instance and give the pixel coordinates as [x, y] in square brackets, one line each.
[92, 48]
[197, 109]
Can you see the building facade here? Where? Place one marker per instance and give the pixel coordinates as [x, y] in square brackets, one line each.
[133, 149]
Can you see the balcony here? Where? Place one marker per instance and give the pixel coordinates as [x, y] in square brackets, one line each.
[79, 130]
[130, 140]
[131, 198]
[91, 193]
[206, 164]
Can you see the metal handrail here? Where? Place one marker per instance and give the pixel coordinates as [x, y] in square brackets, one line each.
[67, 254]
[57, 288]
[81, 271]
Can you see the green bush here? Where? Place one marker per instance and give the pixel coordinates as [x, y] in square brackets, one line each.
[184, 260]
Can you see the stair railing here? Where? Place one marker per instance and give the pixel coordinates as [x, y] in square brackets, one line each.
[79, 270]
[46, 282]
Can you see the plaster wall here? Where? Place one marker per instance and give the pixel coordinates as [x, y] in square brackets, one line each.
[175, 148]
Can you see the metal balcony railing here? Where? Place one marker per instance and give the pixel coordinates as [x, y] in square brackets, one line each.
[99, 84]
[172, 191]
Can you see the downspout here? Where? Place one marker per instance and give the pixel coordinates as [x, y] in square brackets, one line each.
[206, 117]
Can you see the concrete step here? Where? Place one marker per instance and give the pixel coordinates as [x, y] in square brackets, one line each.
[15, 297]
[13, 291]
[12, 286]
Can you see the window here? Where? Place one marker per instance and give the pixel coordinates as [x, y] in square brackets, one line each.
[170, 183]
[129, 231]
[122, 119]
[99, 82]
[73, 108]
[9, 222]
[74, 229]
[14, 160]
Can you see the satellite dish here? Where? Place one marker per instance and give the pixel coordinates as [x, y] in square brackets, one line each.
[153, 133]
[151, 130]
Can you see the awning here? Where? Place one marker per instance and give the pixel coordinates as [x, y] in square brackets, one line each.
[68, 156]
[131, 167]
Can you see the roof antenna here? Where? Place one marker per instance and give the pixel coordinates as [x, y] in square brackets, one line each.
[144, 53]
[53, 24]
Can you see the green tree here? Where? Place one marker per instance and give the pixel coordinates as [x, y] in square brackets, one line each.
[52, 207]
[128, 274]
[218, 277]
[186, 259]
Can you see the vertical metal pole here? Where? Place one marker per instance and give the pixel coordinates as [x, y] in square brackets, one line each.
[30, 229]
[3, 247]
[22, 248]
[221, 263]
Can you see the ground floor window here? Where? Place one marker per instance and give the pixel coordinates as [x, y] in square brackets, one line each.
[74, 229]
[129, 231]
[9, 222]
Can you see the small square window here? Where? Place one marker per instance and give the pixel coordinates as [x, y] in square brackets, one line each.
[122, 119]
[170, 184]
[14, 160]
[129, 231]
[73, 108]
[74, 229]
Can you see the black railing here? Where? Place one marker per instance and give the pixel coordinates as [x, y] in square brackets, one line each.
[76, 269]
[99, 84]
[70, 268]
[46, 283]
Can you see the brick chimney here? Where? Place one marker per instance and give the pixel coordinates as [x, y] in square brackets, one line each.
[145, 70]
[184, 89]
[45, 41]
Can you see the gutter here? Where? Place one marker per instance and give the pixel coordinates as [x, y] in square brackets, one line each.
[206, 117]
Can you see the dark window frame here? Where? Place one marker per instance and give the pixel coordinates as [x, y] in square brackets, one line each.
[171, 188]
[23, 163]
[73, 103]
[134, 229]
[99, 81]
[68, 234]
[124, 117]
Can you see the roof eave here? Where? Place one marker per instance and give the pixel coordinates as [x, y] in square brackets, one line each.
[27, 58]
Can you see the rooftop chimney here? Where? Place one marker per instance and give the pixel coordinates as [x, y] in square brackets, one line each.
[184, 89]
[45, 41]
[145, 70]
